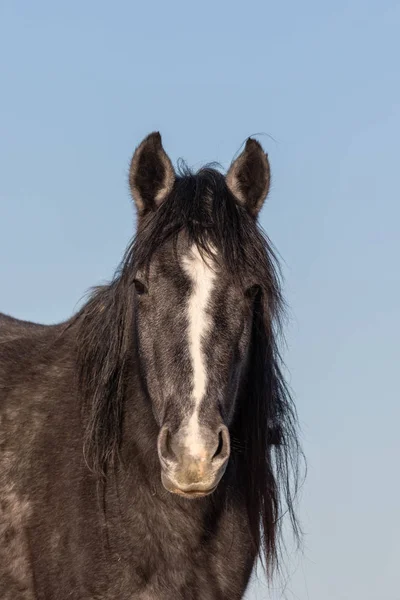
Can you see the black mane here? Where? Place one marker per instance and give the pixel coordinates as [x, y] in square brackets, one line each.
[265, 443]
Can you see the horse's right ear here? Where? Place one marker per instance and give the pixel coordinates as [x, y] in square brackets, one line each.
[151, 175]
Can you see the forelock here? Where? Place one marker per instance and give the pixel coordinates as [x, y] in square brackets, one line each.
[202, 208]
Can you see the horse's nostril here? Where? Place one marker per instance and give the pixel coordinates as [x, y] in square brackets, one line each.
[220, 445]
[165, 444]
[168, 446]
[223, 449]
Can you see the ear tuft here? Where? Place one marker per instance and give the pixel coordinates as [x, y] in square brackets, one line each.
[249, 177]
[151, 174]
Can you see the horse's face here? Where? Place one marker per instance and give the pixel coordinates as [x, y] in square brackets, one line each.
[193, 328]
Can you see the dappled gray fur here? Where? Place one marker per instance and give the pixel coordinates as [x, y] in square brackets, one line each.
[83, 511]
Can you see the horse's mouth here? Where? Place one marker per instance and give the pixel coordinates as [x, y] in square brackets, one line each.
[193, 493]
[192, 490]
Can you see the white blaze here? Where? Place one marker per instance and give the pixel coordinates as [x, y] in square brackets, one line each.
[202, 276]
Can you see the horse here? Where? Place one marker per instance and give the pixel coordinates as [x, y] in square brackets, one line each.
[149, 444]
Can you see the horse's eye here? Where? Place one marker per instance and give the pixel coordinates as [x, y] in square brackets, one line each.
[252, 292]
[139, 287]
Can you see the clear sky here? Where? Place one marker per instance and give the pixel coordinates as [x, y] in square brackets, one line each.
[83, 81]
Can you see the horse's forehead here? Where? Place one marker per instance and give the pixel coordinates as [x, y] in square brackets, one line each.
[190, 259]
[200, 265]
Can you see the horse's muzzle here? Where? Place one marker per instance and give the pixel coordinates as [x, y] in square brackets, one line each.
[193, 467]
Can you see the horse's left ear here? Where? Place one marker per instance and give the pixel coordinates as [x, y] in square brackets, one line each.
[249, 177]
[151, 175]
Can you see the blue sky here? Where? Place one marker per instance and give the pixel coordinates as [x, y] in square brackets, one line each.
[83, 82]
